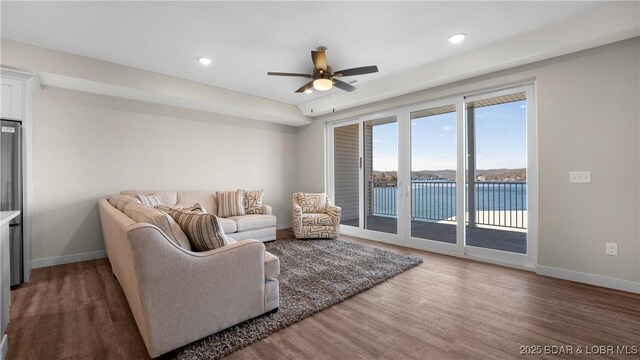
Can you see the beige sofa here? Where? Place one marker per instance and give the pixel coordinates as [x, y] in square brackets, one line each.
[259, 227]
[178, 296]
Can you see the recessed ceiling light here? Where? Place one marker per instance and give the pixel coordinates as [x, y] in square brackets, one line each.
[205, 61]
[308, 91]
[456, 38]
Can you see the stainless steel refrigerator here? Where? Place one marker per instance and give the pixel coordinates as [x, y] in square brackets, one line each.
[11, 192]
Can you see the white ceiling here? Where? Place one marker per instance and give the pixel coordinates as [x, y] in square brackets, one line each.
[247, 39]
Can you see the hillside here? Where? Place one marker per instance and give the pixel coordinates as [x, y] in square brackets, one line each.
[481, 175]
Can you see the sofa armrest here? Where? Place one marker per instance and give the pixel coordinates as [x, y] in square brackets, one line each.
[335, 212]
[267, 210]
[187, 295]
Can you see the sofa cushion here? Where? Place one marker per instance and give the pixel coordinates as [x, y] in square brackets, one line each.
[149, 200]
[120, 201]
[230, 203]
[203, 230]
[252, 222]
[317, 219]
[142, 213]
[271, 265]
[206, 198]
[229, 226]
[264, 234]
[168, 197]
[252, 202]
[311, 203]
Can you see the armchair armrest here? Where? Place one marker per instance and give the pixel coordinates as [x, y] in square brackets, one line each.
[335, 212]
[296, 217]
[296, 210]
[187, 295]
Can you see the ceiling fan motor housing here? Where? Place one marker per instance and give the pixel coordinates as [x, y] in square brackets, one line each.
[323, 78]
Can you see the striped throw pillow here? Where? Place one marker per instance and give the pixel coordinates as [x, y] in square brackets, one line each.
[230, 203]
[196, 208]
[203, 230]
[253, 201]
[149, 200]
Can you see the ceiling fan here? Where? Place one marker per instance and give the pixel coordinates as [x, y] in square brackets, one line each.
[323, 77]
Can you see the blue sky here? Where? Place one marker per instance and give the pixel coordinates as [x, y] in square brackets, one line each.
[500, 140]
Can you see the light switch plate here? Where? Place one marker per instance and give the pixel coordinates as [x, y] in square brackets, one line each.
[580, 177]
[612, 249]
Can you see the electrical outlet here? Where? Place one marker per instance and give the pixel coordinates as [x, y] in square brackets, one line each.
[612, 249]
[580, 177]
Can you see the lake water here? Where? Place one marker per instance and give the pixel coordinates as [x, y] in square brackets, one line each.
[435, 200]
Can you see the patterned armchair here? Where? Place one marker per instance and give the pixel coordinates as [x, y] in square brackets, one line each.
[313, 216]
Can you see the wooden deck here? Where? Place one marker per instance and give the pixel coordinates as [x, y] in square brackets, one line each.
[505, 240]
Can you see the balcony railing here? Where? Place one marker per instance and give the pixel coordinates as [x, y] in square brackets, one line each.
[501, 204]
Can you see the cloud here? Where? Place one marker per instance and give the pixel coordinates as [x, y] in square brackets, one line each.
[511, 133]
[377, 140]
[523, 106]
[447, 127]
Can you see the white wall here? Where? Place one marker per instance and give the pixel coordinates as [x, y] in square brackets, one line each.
[87, 146]
[588, 119]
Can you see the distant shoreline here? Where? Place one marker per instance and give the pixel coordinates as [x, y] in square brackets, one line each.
[517, 174]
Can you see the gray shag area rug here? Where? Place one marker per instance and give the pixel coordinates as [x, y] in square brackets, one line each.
[314, 275]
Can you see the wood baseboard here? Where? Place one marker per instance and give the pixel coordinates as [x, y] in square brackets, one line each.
[591, 279]
[4, 346]
[66, 259]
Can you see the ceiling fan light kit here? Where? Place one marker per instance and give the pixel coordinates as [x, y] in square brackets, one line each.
[322, 84]
[323, 77]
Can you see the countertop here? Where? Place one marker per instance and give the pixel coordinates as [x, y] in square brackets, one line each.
[6, 216]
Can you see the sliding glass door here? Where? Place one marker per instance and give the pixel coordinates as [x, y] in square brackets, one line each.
[433, 174]
[455, 176]
[499, 163]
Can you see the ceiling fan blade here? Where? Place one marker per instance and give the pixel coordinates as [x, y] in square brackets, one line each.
[319, 60]
[358, 71]
[306, 86]
[288, 74]
[343, 85]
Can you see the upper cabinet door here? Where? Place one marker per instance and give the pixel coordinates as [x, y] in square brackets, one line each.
[11, 106]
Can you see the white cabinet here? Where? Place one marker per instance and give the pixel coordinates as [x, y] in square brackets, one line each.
[5, 298]
[11, 94]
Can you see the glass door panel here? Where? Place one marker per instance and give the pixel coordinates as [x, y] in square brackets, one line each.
[496, 173]
[433, 174]
[381, 175]
[346, 172]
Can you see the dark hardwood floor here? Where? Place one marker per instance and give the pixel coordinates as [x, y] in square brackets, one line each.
[447, 308]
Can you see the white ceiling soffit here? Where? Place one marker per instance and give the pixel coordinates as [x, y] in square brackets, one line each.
[597, 27]
[60, 69]
[246, 39]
